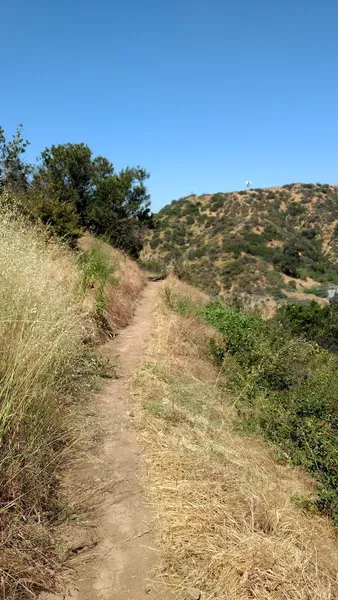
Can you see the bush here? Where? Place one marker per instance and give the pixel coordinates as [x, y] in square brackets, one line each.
[154, 266]
[321, 292]
[217, 201]
[276, 293]
[289, 260]
[288, 387]
[312, 322]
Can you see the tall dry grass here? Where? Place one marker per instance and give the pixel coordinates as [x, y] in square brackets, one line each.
[227, 518]
[43, 368]
[46, 367]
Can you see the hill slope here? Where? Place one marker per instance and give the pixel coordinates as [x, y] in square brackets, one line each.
[275, 241]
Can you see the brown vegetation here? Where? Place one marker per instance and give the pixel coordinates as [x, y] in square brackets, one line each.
[47, 364]
[228, 515]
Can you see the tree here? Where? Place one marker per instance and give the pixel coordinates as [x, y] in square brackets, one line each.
[13, 171]
[67, 171]
[74, 190]
[101, 169]
[120, 210]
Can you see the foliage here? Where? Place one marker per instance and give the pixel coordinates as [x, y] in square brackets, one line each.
[288, 386]
[67, 170]
[119, 209]
[320, 291]
[70, 190]
[312, 322]
[13, 171]
[154, 266]
[289, 260]
[97, 273]
[282, 229]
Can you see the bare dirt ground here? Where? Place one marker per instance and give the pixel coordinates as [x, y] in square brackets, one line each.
[114, 556]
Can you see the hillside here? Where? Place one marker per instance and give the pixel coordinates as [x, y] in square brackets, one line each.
[235, 443]
[231, 515]
[237, 517]
[274, 242]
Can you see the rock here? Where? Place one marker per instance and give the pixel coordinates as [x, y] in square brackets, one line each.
[194, 594]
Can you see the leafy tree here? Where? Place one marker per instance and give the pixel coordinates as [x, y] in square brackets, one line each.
[67, 171]
[69, 190]
[13, 171]
[115, 205]
[101, 169]
[119, 209]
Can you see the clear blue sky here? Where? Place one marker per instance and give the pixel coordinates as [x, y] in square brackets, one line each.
[204, 94]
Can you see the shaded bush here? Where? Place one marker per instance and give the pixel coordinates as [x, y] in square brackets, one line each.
[312, 322]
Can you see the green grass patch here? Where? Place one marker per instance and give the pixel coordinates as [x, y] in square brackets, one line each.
[97, 272]
[320, 291]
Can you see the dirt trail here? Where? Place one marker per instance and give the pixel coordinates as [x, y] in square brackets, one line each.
[116, 559]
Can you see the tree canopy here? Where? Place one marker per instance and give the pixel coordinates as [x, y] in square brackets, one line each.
[13, 170]
[69, 189]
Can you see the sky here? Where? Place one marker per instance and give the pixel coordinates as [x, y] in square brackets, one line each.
[204, 94]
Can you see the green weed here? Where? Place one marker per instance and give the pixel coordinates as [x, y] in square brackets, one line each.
[97, 273]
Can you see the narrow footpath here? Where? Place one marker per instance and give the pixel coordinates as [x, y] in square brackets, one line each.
[115, 557]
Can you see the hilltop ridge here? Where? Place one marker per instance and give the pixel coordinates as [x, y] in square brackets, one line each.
[274, 242]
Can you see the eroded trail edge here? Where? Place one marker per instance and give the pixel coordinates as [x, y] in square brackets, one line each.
[115, 555]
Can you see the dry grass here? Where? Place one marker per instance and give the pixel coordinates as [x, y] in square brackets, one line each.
[43, 368]
[121, 295]
[226, 513]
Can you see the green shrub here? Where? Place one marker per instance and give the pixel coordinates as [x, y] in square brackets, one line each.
[321, 292]
[276, 293]
[312, 322]
[154, 266]
[289, 260]
[288, 389]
